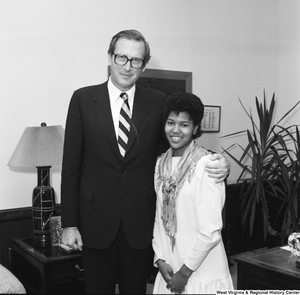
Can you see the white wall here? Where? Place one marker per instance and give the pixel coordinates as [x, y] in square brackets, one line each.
[235, 48]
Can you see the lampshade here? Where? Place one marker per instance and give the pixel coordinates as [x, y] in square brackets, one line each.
[39, 146]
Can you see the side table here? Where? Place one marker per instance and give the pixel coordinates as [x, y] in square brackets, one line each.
[47, 270]
[267, 269]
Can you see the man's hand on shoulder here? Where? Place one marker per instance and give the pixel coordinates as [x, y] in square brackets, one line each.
[218, 168]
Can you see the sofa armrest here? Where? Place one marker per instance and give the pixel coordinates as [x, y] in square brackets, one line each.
[9, 284]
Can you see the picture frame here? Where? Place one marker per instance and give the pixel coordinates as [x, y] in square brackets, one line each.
[56, 234]
[165, 80]
[211, 118]
[55, 230]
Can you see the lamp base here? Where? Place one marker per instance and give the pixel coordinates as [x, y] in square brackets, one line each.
[43, 206]
[42, 241]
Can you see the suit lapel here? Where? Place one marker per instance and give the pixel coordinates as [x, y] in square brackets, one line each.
[140, 110]
[103, 112]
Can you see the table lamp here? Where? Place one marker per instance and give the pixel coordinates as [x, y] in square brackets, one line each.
[40, 147]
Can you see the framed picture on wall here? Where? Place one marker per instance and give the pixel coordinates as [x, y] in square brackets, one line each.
[164, 80]
[211, 119]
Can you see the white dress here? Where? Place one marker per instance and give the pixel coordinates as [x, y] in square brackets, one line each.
[199, 242]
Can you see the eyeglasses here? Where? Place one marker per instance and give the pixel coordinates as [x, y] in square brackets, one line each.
[121, 60]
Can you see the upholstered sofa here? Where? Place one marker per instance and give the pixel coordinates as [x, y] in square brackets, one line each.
[9, 284]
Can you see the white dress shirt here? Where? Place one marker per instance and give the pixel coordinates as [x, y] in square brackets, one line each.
[116, 102]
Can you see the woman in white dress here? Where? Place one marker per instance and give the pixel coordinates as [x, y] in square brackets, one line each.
[187, 241]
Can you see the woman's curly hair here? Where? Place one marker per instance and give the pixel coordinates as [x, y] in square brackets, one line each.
[186, 102]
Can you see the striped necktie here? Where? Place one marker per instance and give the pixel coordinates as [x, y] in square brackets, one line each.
[124, 124]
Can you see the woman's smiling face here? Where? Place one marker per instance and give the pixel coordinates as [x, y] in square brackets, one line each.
[179, 129]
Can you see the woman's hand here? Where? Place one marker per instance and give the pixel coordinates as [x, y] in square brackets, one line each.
[165, 269]
[179, 280]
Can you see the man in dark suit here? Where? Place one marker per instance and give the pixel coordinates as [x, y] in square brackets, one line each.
[108, 199]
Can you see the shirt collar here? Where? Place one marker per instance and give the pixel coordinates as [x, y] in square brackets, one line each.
[114, 92]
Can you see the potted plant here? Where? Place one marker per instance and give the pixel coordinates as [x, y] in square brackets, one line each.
[270, 170]
[289, 177]
[284, 182]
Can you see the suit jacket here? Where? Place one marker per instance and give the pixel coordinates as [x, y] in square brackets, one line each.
[99, 188]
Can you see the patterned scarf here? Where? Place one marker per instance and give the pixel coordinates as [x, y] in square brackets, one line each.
[173, 182]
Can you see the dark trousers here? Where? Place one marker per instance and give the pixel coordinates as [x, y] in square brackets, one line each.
[120, 264]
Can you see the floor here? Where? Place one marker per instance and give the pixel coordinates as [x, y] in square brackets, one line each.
[233, 271]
